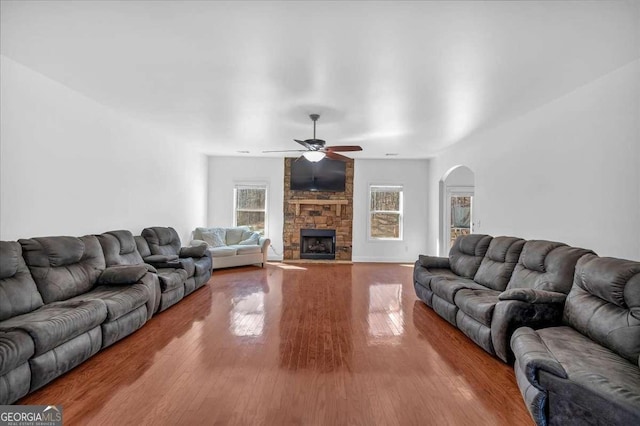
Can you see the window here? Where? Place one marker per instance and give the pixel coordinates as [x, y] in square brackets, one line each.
[385, 212]
[250, 207]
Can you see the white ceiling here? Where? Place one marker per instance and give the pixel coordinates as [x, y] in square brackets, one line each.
[395, 77]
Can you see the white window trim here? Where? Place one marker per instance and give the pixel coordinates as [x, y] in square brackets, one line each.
[261, 185]
[400, 212]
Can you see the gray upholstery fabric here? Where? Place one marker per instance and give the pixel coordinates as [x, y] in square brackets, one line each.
[142, 246]
[446, 310]
[56, 323]
[119, 248]
[15, 384]
[18, 291]
[423, 293]
[499, 262]
[171, 279]
[531, 295]
[446, 288]
[162, 240]
[478, 304]
[16, 347]
[113, 331]
[546, 265]
[193, 251]
[479, 333]
[433, 262]
[188, 264]
[119, 300]
[63, 267]
[189, 285]
[171, 297]
[604, 304]
[54, 363]
[581, 377]
[467, 253]
[122, 275]
[424, 276]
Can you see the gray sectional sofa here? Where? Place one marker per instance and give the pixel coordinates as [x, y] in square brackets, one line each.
[62, 299]
[570, 319]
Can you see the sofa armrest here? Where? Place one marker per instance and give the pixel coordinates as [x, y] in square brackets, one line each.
[533, 355]
[509, 315]
[122, 275]
[264, 243]
[531, 295]
[162, 261]
[434, 262]
[150, 268]
[193, 251]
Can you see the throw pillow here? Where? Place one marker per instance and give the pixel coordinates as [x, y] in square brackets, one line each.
[214, 237]
[253, 240]
[234, 235]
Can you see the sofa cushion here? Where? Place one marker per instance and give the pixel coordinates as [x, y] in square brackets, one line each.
[244, 249]
[446, 288]
[546, 265]
[170, 279]
[119, 248]
[58, 322]
[478, 304]
[16, 347]
[18, 291]
[467, 253]
[608, 314]
[234, 235]
[119, 300]
[214, 237]
[63, 267]
[424, 276]
[249, 238]
[499, 262]
[122, 274]
[593, 367]
[188, 264]
[162, 240]
[222, 251]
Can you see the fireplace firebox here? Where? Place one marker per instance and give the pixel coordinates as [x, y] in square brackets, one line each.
[317, 244]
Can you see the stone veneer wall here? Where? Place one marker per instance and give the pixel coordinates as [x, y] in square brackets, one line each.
[317, 216]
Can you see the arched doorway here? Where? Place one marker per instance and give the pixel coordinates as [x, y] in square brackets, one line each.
[457, 188]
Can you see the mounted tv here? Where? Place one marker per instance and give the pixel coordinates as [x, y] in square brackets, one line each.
[325, 175]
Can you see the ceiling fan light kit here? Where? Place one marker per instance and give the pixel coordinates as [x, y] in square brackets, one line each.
[316, 149]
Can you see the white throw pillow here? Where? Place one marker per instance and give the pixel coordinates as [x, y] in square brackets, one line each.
[234, 235]
[253, 240]
[214, 237]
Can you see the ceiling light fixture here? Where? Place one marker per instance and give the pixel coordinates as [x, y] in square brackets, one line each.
[314, 156]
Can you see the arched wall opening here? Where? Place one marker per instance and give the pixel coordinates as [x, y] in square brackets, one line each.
[456, 192]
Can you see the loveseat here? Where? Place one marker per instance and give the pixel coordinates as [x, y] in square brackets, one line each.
[488, 287]
[586, 370]
[59, 305]
[234, 246]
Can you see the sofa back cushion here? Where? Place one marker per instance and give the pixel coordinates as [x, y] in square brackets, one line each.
[499, 262]
[604, 303]
[63, 267]
[214, 237]
[162, 240]
[18, 291]
[235, 235]
[467, 253]
[119, 248]
[142, 246]
[546, 265]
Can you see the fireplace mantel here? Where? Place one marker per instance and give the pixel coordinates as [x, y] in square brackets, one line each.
[337, 203]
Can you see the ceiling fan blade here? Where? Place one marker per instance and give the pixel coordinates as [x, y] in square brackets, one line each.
[344, 148]
[303, 143]
[287, 150]
[335, 156]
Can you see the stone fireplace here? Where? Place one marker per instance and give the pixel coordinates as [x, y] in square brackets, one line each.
[320, 211]
[318, 244]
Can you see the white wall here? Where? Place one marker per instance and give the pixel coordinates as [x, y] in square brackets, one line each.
[567, 171]
[412, 175]
[71, 166]
[226, 172]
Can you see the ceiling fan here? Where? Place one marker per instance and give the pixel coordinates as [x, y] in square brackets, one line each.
[316, 149]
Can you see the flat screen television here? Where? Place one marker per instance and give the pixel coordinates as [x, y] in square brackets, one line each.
[325, 175]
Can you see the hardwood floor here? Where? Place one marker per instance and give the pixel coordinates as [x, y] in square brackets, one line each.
[289, 344]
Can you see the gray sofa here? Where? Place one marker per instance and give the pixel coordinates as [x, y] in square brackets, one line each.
[488, 287]
[59, 305]
[586, 370]
[165, 248]
[236, 246]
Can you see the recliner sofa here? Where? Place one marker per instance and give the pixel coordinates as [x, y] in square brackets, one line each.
[488, 287]
[586, 370]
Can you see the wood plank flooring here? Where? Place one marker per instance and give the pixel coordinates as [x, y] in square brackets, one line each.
[303, 344]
